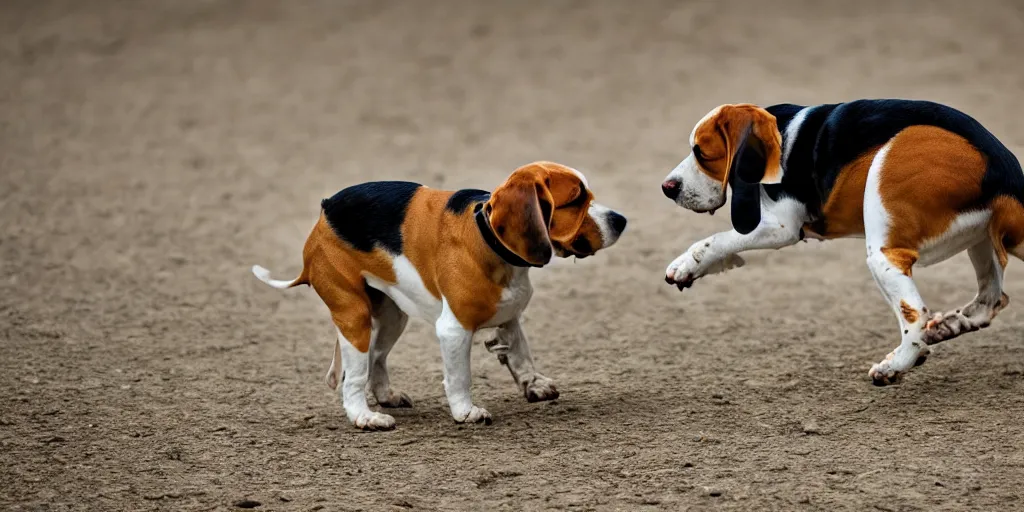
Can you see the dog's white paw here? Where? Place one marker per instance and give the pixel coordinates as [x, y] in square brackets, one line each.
[683, 271]
[370, 420]
[540, 389]
[883, 374]
[476, 415]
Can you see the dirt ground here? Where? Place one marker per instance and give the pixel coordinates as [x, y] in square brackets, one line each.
[150, 152]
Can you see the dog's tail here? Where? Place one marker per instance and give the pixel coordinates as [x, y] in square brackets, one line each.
[264, 275]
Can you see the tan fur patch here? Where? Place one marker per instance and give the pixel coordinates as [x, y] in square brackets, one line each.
[909, 314]
[902, 259]
[720, 135]
[335, 270]
[420, 240]
[452, 258]
[843, 211]
[929, 176]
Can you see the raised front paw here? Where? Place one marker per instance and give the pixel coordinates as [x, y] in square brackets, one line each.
[475, 415]
[539, 389]
[683, 271]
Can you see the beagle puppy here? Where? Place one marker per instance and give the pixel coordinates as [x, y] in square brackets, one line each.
[384, 251]
[919, 181]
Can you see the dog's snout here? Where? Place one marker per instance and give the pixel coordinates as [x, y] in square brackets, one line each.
[671, 189]
[617, 221]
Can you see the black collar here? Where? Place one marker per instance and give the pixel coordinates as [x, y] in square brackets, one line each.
[499, 248]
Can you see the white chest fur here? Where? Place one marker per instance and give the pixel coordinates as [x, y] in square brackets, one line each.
[514, 298]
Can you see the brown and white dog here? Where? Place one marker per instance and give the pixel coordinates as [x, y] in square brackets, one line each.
[384, 251]
[919, 181]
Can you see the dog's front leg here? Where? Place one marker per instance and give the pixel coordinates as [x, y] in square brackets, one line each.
[513, 351]
[456, 342]
[718, 252]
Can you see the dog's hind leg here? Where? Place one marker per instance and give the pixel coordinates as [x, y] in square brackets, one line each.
[979, 313]
[1005, 237]
[392, 321]
[351, 311]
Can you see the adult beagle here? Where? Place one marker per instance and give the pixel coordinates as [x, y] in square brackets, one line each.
[919, 181]
[384, 251]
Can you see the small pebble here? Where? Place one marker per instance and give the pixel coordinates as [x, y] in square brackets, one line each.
[811, 427]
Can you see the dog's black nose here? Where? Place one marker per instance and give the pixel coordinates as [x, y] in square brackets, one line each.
[618, 222]
[671, 189]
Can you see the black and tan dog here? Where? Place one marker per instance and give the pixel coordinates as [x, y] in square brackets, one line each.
[919, 181]
[383, 251]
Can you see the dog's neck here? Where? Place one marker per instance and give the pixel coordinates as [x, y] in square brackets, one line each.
[492, 240]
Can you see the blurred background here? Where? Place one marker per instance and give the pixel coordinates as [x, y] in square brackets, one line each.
[152, 151]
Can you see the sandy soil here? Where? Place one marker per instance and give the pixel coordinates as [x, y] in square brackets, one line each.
[150, 153]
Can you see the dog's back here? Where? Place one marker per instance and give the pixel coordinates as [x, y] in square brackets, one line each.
[832, 148]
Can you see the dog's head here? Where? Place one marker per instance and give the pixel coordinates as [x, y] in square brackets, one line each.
[546, 209]
[734, 145]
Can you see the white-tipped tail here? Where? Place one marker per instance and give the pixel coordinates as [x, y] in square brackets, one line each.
[264, 275]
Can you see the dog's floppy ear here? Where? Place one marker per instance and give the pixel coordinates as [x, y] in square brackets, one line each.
[747, 128]
[746, 195]
[519, 212]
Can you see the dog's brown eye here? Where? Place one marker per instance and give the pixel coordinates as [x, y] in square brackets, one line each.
[697, 153]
